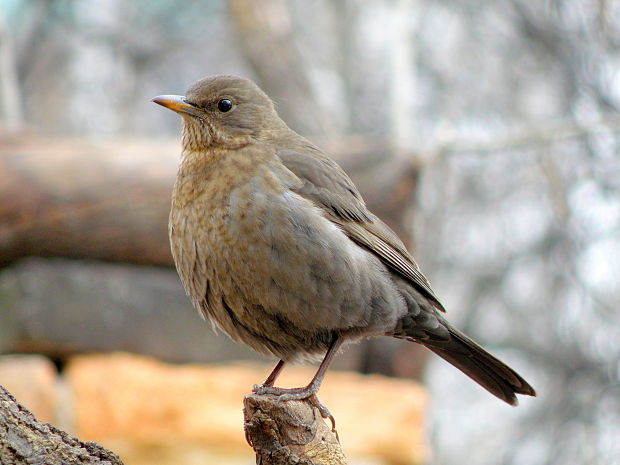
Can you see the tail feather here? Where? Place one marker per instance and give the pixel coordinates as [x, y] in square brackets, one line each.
[489, 372]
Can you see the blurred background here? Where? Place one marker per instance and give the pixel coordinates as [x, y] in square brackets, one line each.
[486, 133]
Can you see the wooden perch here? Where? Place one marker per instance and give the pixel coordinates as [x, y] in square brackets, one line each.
[288, 433]
[26, 441]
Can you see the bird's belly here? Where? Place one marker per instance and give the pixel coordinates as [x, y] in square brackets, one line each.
[284, 279]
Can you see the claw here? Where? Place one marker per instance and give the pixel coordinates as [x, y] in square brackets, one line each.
[285, 395]
[307, 392]
[325, 413]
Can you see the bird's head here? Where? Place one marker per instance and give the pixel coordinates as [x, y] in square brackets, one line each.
[223, 110]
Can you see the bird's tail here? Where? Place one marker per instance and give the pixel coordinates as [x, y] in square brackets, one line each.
[489, 372]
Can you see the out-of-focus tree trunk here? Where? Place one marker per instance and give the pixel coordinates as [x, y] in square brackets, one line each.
[76, 199]
[266, 39]
[109, 200]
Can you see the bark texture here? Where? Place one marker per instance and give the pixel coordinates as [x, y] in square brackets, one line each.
[26, 441]
[289, 433]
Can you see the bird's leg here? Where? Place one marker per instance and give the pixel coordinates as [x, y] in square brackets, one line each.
[307, 392]
[272, 376]
[285, 394]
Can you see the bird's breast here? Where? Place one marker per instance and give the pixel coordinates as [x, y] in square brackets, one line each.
[258, 254]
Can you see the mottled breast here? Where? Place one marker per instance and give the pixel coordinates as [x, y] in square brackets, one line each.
[269, 268]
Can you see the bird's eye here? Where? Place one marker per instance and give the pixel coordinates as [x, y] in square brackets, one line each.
[224, 105]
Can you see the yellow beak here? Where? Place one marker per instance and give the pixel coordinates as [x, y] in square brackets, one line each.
[176, 103]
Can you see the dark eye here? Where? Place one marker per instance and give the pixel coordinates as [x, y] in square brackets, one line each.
[224, 105]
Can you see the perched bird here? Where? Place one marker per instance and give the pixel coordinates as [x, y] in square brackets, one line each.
[275, 246]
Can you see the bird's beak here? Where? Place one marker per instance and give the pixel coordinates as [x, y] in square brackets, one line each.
[176, 103]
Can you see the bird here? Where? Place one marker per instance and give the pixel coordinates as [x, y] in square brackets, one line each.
[275, 246]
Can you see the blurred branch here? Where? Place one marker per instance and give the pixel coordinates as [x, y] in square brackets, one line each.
[401, 116]
[542, 133]
[26, 441]
[282, 433]
[265, 34]
[556, 186]
[10, 94]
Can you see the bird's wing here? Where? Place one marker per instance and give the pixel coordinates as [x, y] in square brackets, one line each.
[325, 184]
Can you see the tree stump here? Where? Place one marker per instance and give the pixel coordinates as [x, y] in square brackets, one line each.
[286, 433]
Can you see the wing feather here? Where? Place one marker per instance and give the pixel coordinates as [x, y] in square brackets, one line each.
[328, 186]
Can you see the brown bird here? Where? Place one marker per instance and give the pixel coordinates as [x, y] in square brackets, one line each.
[275, 246]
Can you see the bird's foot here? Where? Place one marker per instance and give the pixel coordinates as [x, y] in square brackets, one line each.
[325, 413]
[286, 394]
[298, 393]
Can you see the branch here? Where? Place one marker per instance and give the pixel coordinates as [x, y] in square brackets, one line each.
[290, 432]
[26, 441]
[540, 134]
